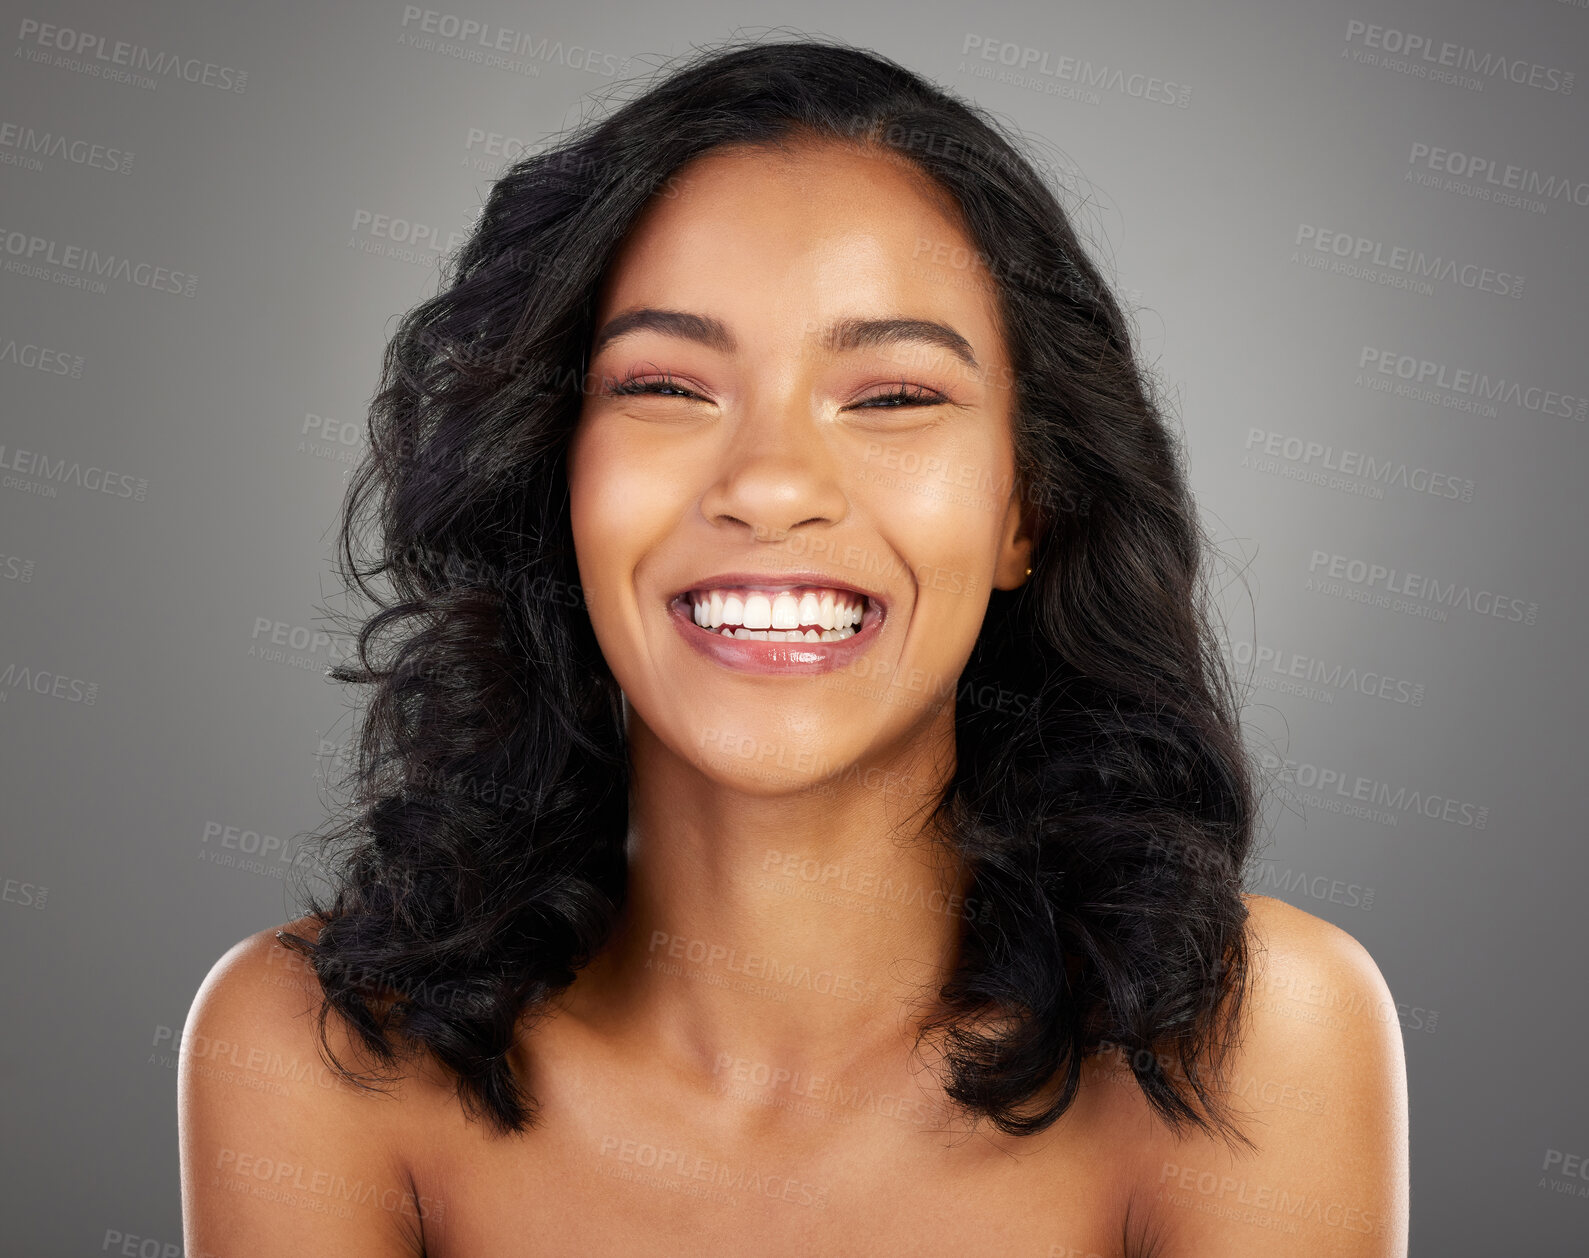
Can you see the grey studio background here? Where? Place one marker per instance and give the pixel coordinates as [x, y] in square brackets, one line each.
[1357, 239]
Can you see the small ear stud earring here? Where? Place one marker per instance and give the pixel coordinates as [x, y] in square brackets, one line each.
[1028, 572]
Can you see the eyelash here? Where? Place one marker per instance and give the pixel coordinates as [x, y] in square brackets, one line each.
[626, 388]
[922, 396]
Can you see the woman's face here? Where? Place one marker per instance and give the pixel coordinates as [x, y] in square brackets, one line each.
[771, 459]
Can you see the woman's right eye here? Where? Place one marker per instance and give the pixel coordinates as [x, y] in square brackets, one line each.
[664, 387]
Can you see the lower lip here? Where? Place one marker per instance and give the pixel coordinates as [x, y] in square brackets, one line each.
[752, 655]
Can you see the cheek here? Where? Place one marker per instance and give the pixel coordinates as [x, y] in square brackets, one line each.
[945, 509]
[952, 585]
[599, 484]
[619, 510]
[616, 471]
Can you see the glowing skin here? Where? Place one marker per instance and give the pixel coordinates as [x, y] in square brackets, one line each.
[692, 1050]
[775, 463]
[764, 457]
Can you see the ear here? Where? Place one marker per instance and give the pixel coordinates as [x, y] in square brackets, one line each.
[1015, 546]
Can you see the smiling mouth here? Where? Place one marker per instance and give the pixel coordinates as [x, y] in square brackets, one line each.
[795, 613]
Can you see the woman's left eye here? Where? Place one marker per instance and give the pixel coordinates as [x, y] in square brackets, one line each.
[905, 395]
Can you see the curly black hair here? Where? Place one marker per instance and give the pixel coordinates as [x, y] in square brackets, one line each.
[1107, 817]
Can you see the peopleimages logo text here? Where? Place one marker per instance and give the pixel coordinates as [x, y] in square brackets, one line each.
[62, 472]
[1407, 260]
[1412, 585]
[1487, 170]
[1023, 59]
[91, 50]
[33, 253]
[23, 143]
[1427, 372]
[1459, 57]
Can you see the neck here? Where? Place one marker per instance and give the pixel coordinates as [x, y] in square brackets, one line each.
[804, 931]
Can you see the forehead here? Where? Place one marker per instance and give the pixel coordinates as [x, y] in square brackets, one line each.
[803, 233]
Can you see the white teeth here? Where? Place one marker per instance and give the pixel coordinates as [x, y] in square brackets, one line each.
[803, 614]
[786, 612]
[758, 612]
[787, 635]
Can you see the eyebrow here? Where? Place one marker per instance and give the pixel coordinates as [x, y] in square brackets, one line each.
[841, 336]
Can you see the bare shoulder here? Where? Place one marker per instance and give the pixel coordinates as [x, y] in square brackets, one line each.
[1317, 1084]
[278, 1151]
[1318, 1002]
[1293, 939]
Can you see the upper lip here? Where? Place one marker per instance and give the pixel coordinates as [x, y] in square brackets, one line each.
[781, 580]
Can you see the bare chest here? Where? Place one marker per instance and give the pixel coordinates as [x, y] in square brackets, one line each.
[603, 1185]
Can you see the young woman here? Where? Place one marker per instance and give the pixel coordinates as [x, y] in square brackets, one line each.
[801, 809]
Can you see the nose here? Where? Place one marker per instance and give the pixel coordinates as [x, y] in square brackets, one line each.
[777, 475]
